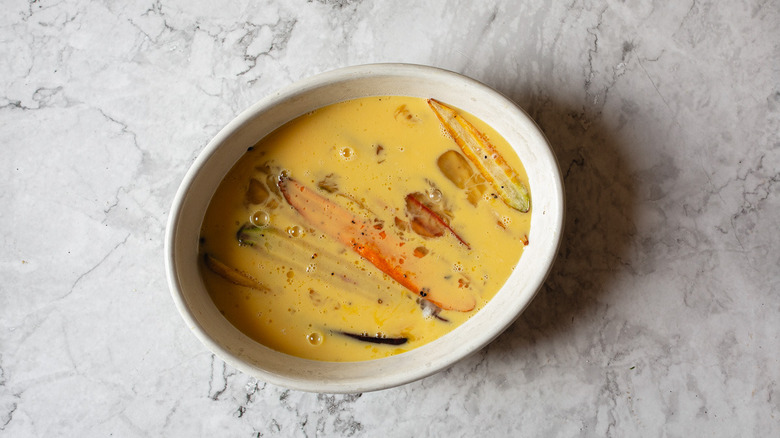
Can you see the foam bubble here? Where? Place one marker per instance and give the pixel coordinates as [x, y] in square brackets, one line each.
[347, 153]
[295, 231]
[434, 195]
[260, 218]
[314, 338]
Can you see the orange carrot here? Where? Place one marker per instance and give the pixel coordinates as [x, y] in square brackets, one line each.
[383, 249]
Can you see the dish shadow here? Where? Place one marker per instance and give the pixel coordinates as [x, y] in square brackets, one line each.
[599, 224]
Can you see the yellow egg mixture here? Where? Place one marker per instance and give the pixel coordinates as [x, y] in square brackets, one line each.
[362, 230]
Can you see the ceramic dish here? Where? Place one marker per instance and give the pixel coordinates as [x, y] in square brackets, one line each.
[200, 182]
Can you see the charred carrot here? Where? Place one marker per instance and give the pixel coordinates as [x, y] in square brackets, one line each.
[485, 157]
[388, 252]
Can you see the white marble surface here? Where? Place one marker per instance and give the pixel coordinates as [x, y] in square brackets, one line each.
[662, 313]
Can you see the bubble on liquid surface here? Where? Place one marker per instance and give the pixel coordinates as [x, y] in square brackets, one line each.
[347, 153]
[295, 231]
[260, 218]
[314, 338]
[434, 195]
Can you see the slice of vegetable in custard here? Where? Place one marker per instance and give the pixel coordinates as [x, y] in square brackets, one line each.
[458, 170]
[377, 339]
[485, 157]
[280, 246]
[231, 274]
[382, 248]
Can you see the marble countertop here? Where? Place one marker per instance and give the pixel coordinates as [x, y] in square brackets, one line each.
[660, 318]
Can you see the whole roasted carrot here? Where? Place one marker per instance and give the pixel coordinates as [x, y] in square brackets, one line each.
[381, 248]
[485, 157]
